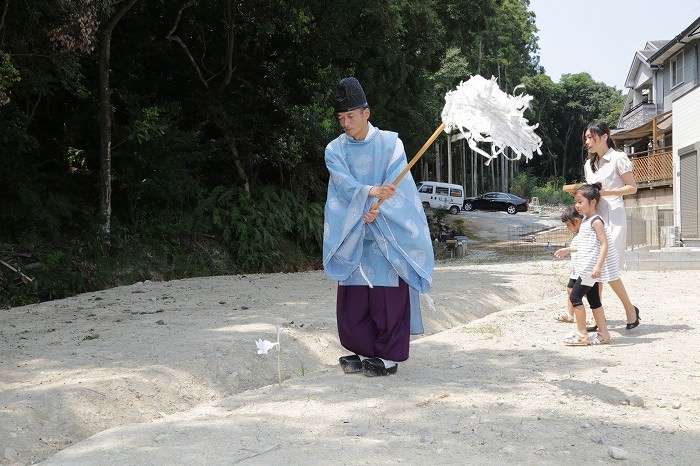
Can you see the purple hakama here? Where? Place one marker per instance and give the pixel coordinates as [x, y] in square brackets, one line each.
[375, 322]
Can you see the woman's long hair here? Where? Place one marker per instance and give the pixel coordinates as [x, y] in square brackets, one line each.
[599, 129]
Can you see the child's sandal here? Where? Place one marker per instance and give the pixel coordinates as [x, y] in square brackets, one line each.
[565, 317]
[597, 339]
[576, 339]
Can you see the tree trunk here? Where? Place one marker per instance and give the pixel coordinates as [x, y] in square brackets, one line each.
[105, 122]
[553, 158]
[229, 14]
[463, 157]
[449, 159]
[504, 173]
[240, 169]
[482, 176]
[563, 164]
[475, 173]
[4, 14]
[569, 131]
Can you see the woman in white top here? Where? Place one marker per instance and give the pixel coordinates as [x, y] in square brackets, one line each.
[613, 170]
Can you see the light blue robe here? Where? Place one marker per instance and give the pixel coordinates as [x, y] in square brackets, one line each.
[397, 243]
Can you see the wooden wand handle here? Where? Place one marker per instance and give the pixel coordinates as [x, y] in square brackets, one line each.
[413, 160]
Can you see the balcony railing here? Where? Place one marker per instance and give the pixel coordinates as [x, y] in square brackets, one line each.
[640, 104]
[638, 115]
[653, 167]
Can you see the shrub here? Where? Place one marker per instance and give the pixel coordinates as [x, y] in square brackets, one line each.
[523, 184]
[551, 193]
[528, 186]
[254, 228]
[227, 233]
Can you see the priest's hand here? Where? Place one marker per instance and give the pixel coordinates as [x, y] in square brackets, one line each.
[384, 191]
[371, 215]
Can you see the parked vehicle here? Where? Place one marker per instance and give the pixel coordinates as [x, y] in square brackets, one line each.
[497, 201]
[441, 195]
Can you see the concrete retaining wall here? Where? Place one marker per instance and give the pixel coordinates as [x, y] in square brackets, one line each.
[663, 259]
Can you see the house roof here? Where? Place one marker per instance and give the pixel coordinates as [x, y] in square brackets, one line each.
[648, 53]
[663, 121]
[658, 43]
[692, 32]
[641, 57]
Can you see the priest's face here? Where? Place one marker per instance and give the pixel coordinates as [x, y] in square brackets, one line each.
[354, 123]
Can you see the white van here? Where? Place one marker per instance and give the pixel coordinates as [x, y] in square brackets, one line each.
[441, 195]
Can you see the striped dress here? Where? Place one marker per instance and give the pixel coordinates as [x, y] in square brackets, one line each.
[574, 244]
[588, 252]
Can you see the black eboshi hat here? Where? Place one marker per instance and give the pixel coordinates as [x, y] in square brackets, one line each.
[349, 95]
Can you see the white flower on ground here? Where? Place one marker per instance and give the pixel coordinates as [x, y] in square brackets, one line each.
[264, 346]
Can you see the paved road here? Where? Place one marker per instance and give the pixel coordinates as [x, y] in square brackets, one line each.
[501, 225]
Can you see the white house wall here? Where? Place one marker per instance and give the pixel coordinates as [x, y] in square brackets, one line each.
[686, 132]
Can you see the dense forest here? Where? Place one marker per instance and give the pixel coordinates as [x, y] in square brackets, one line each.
[160, 139]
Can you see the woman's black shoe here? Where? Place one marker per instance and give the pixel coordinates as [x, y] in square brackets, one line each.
[350, 364]
[636, 322]
[374, 367]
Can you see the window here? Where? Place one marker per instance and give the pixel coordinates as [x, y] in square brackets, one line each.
[455, 192]
[426, 189]
[676, 67]
[645, 96]
[442, 191]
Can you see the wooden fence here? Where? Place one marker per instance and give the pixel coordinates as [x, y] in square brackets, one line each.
[653, 167]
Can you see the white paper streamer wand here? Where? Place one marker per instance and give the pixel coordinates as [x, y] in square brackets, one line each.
[484, 113]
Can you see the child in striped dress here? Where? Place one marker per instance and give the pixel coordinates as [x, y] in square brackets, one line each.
[596, 261]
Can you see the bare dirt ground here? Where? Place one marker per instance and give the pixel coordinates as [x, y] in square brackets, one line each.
[168, 373]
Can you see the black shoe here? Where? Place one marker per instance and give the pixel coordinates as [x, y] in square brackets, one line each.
[374, 367]
[592, 328]
[350, 364]
[636, 322]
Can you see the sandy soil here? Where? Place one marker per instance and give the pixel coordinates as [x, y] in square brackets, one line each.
[168, 373]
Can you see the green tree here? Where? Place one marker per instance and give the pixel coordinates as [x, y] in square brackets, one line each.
[563, 109]
[584, 100]
[8, 76]
[546, 98]
[150, 121]
[507, 48]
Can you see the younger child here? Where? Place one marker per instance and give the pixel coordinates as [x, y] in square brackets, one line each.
[596, 261]
[572, 219]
